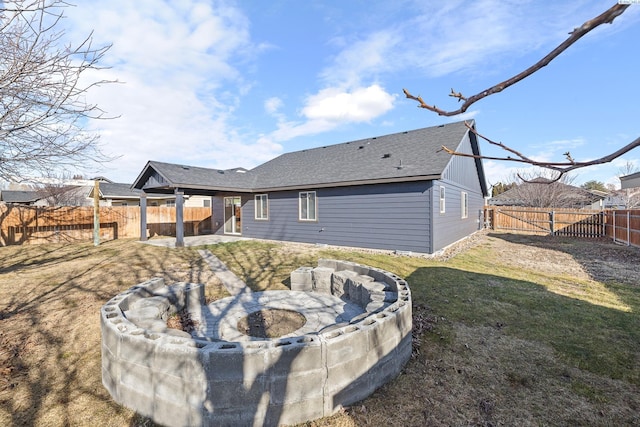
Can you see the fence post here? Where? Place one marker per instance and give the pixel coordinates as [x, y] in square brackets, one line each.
[96, 213]
[551, 221]
[628, 227]
[613, 231]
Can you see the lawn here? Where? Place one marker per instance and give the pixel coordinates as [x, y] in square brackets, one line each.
[514, 330]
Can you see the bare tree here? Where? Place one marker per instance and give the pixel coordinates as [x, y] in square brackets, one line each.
[563, 167]
[541, 189]
[43, 106]
[62, 190]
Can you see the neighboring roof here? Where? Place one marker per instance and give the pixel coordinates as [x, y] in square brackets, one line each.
[404, 156]
[544, 191]
[19, 196]
[116, 190]
[630, 181]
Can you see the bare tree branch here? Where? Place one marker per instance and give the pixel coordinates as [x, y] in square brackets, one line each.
[562, 167]
[605, 18]
[43, 107]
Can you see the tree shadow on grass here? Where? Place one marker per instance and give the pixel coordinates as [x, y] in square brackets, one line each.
[473, 316]
[50, 369]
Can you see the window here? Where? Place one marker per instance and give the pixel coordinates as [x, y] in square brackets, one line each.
[464, 204]
[442, 206]
[206, 203]
[171, 203]
[262, 206]
[308, 207]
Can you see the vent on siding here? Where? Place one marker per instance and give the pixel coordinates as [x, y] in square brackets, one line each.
[386, 155]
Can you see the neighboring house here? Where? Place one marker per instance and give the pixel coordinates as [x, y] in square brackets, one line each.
[397, 192]
[22, 197]
[630, 190]
[630, 181]
[119, 194]
[544, 193]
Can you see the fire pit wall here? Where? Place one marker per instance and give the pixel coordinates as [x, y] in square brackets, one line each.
[177, 379]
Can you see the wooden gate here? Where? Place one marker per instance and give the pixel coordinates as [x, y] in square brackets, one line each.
[558, 222]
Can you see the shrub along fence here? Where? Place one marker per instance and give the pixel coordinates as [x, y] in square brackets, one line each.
[32, 225]
[623, 226]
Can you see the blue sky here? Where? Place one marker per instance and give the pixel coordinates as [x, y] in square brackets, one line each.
[227, 84]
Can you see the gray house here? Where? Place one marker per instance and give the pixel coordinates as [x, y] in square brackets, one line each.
[397, 192]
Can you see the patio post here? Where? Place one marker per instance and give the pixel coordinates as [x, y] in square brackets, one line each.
[179, 219]
[143, 217]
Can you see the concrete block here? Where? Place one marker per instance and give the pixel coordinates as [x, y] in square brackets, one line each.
[138, 347]
[241, 395]
[369, 288]
[295, 412]
[136, 376]
[139, 399]
[328, 263]
[345, 375]
[322, 279]
[180, 361]
[185, 391]
[376, 306]
[297, 387]
[170, 412]
[295, 357]
[355, 290]
[235, 364]
[351, 343]
[302, 279]
[340, 282]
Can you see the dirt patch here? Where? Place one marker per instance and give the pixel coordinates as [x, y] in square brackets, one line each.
[271, 323]
[598, 259]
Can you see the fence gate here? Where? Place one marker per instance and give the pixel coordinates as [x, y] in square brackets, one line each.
[558, 222]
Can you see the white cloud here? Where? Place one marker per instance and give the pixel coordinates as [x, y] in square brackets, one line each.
[273, 104]
[360, 105]
[180, 86]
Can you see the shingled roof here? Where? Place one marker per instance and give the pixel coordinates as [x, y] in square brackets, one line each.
[19, 196]
[404, 156]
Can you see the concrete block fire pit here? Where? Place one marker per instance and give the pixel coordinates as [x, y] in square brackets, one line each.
[354, 336]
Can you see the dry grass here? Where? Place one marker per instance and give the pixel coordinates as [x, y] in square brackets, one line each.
[518, 330]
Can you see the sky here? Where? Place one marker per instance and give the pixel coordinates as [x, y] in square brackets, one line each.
[225, 84]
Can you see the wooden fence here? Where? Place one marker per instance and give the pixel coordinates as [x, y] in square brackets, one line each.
[623, 226]
[32, 225]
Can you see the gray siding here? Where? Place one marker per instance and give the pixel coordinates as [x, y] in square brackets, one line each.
[386, 216]
[461, 175]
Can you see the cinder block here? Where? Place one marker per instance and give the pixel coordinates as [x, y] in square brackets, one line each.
[352, 343]
[170, 412]
[328, 263]
[137, 398]
[301, 279]
[186, 391]
[297, 387]
[179, 360]
[135, 347]
[340, 282]
[355, 290]
[295, 357]
[322, 279]
[296, 412]
[241, 395]
[369, 288]
[349, 375]
[136, 376]
[234, 364]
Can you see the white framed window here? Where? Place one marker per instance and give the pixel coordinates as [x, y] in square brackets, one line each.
[442, 200]
[308, 208]
[464, 204]
[206, 203]
[262, 206]
[171, 203]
